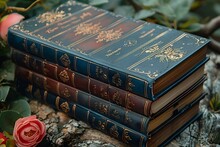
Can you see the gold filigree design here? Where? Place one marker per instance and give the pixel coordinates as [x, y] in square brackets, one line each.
[65, 107]
[116, 80]
[103, 92]
[152, 49]
[64, 77]
[87, 29]
[116, 98]
[85, 14]
[115, 114]
[170, 54]
[102, 108]
[114, 131]
[66, 93]
[100, 73]
[150, 74]
[65, 60]
[50, 17]
[125, 137]
[109, 35]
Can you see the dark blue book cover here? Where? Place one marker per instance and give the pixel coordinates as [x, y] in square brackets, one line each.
[137, 56]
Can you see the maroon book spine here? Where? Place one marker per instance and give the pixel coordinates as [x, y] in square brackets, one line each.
[85, 83]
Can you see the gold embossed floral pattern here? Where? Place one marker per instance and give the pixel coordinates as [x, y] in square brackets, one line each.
[170, 54]
[50, 17]
[109, 35]
[87, 29]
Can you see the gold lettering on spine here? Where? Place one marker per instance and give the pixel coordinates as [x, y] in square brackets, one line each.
[65, 60]
[114, 132]
[125, 136]
[63, 75]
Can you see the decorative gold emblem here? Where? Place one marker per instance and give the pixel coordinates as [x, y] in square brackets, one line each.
[101, 125]
[125, 137]
[103, 92]
[109, 35]
[130, 84]
[65, 60]
[116, 98]
[65, 107]
[102, 108]
[87, 29]
[64, 77]
[115, 114]
[116, 80]
[66, 93]
[114, 131]
[100, 73]
[29, 88]
[50, 17]
[170, 54]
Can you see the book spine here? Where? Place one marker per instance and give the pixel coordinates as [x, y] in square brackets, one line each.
[95, 120]
[120, 114]
[100, 89]
[97, 71]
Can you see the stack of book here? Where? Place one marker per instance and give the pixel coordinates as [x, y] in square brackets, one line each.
[138, 82]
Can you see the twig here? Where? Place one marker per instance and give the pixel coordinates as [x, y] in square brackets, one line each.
[208, 29]
[20, 9]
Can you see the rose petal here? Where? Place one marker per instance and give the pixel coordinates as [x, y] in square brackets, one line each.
[8, 21]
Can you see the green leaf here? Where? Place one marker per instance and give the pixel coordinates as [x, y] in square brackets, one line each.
[144, 14]
[97, 2]
[10, 143]
[193, 27]
[8, 119]
[4, 90]
[21, 106]
[173, 9]
[7, 135]
[125, 10]
[7, 70]
[146, 3]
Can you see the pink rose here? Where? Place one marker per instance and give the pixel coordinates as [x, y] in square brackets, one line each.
[8, 21]
[28, 131]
